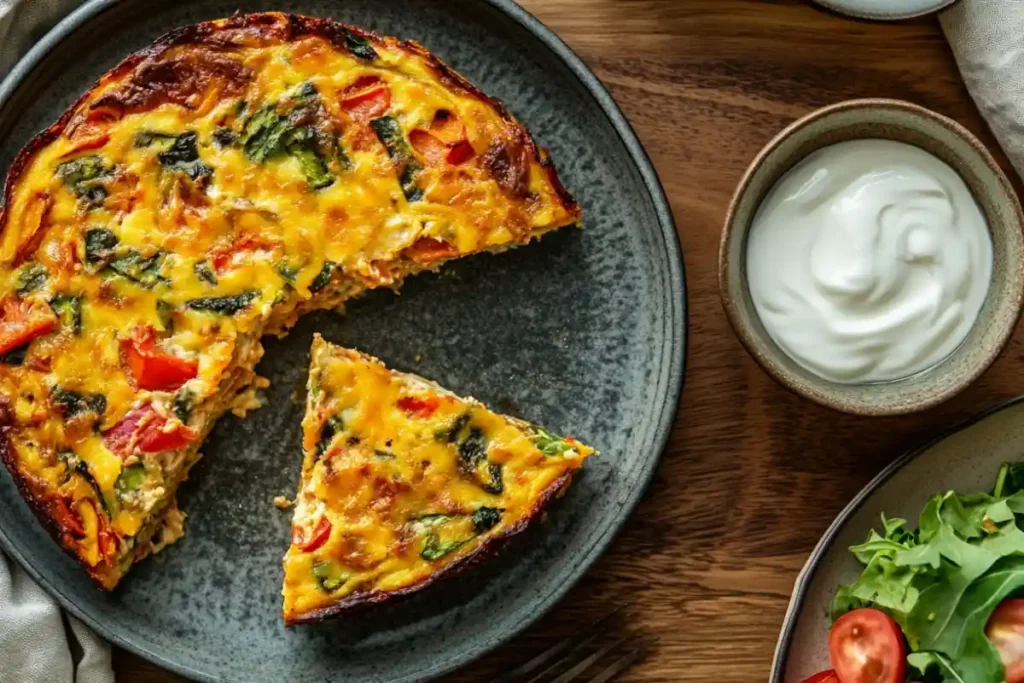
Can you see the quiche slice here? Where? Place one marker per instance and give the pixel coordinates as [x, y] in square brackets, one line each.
[208, 190]
[403, 483]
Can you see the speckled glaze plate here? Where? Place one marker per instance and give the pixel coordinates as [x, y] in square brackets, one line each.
[885, 10]
[965, 459]
[582, 332]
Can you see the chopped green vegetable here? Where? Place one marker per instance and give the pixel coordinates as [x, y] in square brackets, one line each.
[485, 518]
[453, 432]
[494, 483]
[1010, 479]
[183, 156]
[332, 427]
[268, 134]
[287, 272]
[472, 449]
[204, 272]
[433, 549]
[148, 138]
[144, 270]
[393, 139]
[225, 137]
[74, 465]
[942, 581]
[184, 401]
[165, 313]
[305, 91]
[225, 305]
[32, 277]
[322, 278]
[69, 309]
[549, 444]
[99, 246]
[329, 575]
[85, 177]
[358, 46]
[72, 403]
[383, 455]
[130, 479]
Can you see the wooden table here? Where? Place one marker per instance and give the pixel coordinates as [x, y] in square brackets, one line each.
[752, 475]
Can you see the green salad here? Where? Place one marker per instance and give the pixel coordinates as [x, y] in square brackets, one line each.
[938, 602]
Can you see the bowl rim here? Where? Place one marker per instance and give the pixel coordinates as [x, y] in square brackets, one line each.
[731, 231]
[883, 15]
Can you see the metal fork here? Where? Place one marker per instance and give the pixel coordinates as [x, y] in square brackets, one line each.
[572, 652]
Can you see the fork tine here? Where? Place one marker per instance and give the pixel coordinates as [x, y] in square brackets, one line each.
[587, 662]
[623, 663]
[574, 641]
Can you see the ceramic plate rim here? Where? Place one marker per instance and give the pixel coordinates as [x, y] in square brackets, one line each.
[882, 15]
[674, 354]
[824, 545]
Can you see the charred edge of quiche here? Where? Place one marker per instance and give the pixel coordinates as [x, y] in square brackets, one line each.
[277, 27]
[38, 499]
[483, 552]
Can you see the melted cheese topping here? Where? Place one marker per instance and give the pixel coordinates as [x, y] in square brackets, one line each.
[409, 478]
[206, 195]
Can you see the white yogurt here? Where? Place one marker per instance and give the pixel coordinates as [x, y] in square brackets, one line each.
[869, 261]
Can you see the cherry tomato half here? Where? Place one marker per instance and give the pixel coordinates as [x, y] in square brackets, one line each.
[1005, 630]
[823, 677]
[866, 646]
[22, 321]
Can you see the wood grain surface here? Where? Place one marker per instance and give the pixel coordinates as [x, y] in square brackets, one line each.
[753, 475]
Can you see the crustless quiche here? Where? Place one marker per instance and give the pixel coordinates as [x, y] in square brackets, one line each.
[404, 482]
[206, 191]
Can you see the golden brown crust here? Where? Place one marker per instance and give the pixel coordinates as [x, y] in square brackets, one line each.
[263, 28]
[484, 551]
[40, 502]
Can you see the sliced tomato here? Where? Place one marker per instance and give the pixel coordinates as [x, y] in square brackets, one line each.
[152, 369]
[149, 431]
[414, 405]
[1005, 630]
[221, 255]
[460, 153]
[823, 677]
[432, 148]
[22, 321]
[66, 517]
[428, 249]
[866, 646]
[367, 98]
[447, 127]
[319, 536]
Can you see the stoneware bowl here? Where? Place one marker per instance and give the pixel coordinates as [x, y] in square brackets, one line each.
[966, 460]
[908, 123]
[885, 10]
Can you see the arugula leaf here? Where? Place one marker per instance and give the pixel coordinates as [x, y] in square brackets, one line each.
[225, 305]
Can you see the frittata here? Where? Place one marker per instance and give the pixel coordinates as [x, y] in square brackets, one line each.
[403, 483]
[206, 191]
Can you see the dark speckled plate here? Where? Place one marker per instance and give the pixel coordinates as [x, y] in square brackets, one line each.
[582, 332]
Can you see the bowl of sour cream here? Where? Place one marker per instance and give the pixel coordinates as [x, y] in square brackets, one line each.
[873, 258]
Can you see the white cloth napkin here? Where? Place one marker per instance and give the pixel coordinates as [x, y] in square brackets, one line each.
[38, 643]
[987, 37]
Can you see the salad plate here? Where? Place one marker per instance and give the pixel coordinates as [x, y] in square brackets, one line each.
[967, 460]
[584, 332]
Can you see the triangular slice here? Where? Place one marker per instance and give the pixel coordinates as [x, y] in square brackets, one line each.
[208, 190]
[403, 482]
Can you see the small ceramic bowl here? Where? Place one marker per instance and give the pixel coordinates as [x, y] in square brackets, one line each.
[949, 141]
[885, 10]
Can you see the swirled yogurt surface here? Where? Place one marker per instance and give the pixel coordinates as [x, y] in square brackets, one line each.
[869, 261]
